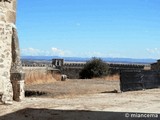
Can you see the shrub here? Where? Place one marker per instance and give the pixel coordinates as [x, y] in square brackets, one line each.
[95, 67]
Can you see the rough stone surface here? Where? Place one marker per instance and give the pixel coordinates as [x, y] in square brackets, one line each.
[9, 53]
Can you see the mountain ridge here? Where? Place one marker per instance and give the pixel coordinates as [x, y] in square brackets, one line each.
[84, 59]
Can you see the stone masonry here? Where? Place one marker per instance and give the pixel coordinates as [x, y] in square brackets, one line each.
[11, 73]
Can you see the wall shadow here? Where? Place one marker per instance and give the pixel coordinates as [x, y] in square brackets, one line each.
[50, 114]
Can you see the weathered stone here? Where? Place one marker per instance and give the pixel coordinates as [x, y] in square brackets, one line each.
[16, 62]
[1, 66]
[18, 90]
[17, 76]
[5, 74]
[11, 75]
[3, 56]
[1, 60]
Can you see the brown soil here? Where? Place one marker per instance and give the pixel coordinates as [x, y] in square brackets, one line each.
[72, 87]
[83, 100]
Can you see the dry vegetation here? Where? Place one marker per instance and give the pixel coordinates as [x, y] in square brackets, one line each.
[38, 81]
[33, 76]
[40, 76]
[113, 77]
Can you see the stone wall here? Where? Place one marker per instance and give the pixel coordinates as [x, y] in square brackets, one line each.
[5, 61]
[155, 66]
[131, 80]
[11, 74]
[72, 69]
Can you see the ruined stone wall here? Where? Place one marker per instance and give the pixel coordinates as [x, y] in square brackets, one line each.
[9, 52]
[5, 61]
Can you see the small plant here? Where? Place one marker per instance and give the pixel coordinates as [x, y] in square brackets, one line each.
[95, 67]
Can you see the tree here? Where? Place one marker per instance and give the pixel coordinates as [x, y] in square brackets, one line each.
[95, 67]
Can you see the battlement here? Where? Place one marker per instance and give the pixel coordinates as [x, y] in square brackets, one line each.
[72, 69]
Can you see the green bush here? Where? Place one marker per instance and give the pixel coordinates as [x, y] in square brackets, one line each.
[95, 67]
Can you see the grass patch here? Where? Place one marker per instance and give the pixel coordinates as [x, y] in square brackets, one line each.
[34, 76]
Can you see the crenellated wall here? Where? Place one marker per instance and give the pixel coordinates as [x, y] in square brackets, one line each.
[11, 73]
[72, 69]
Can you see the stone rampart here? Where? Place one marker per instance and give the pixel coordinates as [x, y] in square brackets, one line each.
[72, 69]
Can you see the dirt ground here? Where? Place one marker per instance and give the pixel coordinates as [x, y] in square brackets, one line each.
[83, 100]
[73, 87]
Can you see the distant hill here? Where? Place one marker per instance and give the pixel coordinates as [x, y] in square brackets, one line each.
[80, 59]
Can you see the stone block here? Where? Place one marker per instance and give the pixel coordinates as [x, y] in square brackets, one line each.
[10, 16]
[17, 76]
[18, 90]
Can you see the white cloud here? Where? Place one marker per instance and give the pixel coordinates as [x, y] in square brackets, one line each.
[38, 52]
[153, 52]
[78, 24]
[65, 53]
[59, 52]
[93, 54]
[30, 51]
[99, 54]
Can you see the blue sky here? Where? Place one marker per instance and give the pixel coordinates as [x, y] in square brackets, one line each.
[87, 28]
